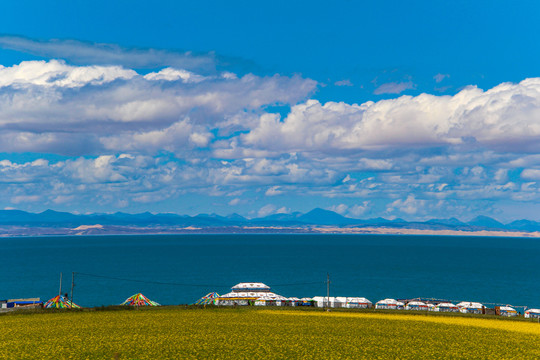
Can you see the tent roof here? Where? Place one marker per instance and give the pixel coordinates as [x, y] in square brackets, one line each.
[360, 300]
[533, 311]
[387, 301]
[472, 305]
[446, 304]
[249, 295]
[207, 299]
[60, 302]
[416, 303]
[249, 286]
[507, 308]
[139, 300]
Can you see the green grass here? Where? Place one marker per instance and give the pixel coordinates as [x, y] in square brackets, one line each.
[188, 332]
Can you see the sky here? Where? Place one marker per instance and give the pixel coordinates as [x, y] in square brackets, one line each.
[412, 110]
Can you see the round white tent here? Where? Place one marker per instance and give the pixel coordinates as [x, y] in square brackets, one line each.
[446, 307]
[271, 300]
[470, 307]
[532, 313]
[357, 303]
[416, 305]
[507, 311]
[246, 294]
[386, 304]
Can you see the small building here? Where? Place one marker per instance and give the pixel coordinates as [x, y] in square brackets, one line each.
[505, 311]
[416, 305]
[247, 294]
[532, 314]
[446, 307]
[470, 307]
[22, 303]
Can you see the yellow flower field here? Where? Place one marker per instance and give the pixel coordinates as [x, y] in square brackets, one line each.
[176, 333]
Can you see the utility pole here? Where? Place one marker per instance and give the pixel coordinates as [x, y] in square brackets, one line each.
[72, 285]
[327, 289]
[60, 289]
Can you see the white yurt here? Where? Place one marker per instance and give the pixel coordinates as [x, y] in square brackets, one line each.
[292, 301]
[466, 307]
[431, 307]
[271, 300]
[416, 305]
[446, 307]
[507, 311]
[333, 302]
[357, 303]
[246, 294]
[400, 305]
[532, 313]
[386, 304]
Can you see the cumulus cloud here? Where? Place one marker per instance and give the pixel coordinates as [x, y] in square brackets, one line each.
[142, 139]
[49, 106]
[531, 174]
[502, 118]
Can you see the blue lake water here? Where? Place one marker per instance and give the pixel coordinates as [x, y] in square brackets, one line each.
[489, 270]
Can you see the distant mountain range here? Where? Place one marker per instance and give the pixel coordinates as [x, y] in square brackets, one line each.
[17, 222]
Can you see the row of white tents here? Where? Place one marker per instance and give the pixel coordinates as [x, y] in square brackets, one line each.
[465, 307]
[259, 294]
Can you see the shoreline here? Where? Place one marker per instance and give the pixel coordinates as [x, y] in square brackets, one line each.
[97, 230]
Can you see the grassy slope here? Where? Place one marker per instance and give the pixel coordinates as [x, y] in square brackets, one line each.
[171, 333]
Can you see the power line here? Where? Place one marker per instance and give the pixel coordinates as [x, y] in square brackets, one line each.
[181, 284]
[146, 281]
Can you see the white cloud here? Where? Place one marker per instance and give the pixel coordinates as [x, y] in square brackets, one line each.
[96, 53]
[394, 87]
[531, 174]
[440, 77]
[58, 108]
[55, 73]
[273, 191]
[25, 198]
[359, 209]
[146, 139]
[340, 209]
[502, 118]
[171, 74]
[345, 82]
[409, 206]
[266, 210]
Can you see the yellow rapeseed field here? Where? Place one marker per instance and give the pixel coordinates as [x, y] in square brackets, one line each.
[176, 333]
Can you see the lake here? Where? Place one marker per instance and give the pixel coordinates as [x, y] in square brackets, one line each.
[179, 269]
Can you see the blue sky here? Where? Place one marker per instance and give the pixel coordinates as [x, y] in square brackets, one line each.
[417, 110]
